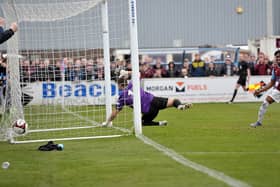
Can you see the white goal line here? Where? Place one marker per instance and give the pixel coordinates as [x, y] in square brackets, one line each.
[65, 139]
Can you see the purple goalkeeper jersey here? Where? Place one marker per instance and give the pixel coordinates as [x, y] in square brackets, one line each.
[126, 98]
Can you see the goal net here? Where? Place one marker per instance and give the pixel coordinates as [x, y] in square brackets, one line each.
[61, 72]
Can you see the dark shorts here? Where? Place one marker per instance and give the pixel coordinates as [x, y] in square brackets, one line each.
[158, 103]
[242, 80]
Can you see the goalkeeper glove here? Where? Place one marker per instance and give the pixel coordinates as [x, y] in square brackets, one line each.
[123, 73]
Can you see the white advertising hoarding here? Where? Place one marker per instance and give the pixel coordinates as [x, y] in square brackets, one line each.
[203, 89]
[195, 90]
[69, 93]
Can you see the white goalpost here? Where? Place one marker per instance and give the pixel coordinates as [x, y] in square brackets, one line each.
[61, 74]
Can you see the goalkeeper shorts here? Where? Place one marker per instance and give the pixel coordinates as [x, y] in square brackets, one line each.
[158, 103]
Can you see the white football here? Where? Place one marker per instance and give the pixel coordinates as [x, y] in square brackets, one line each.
[20, 126]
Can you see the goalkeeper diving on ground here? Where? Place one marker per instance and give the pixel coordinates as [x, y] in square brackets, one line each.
[150, 104]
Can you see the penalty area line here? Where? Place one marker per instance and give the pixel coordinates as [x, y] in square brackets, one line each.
[188, 163]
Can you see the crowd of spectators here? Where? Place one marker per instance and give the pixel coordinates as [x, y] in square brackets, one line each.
[260, 65]
[69, 69]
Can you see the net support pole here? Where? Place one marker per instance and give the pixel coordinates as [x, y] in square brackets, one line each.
[135, 66]
[106, 52]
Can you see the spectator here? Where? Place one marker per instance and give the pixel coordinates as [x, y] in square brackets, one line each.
[269, 63]
[146, 71]
[252, 63]
[67, 67]
[198, 67]
[128, 66]
[25, 71]
[172, 71]
[184, 73]
[159, 70]
[90, 75]
[33, 70]
[83, 65]
[43, 71]
[261, 67]
[185, 70]
[57, 71]
[211, 70]
[77, 71]
[114, 73]
[100, 68]
[228, 68]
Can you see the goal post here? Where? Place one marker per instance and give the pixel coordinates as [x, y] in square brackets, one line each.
[135, 66]
[64, 83]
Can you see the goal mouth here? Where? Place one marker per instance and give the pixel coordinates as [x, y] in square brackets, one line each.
[62, 70]
[71, 123]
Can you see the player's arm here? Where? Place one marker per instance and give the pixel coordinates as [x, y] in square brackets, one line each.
[124, 73]
[111, 118]
[5, 35]
[115, 112]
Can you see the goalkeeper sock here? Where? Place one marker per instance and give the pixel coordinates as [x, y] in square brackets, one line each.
[150, 123]
[262, 111]
[176, 103]
[234, 94]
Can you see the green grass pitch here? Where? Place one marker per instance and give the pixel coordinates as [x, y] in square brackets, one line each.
[217, 136]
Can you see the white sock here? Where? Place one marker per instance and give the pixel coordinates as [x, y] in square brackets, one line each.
[262, 111]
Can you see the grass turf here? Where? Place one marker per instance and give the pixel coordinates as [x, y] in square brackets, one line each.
[214, 135]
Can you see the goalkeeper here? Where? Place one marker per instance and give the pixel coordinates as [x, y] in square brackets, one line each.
[150, 104]
[5, 35]
[274, 94]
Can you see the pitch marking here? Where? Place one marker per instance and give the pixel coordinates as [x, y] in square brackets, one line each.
[186, 162]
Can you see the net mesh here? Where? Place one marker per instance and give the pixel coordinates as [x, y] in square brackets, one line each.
[56, 68]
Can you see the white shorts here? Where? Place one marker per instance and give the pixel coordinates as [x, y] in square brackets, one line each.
[275, 95]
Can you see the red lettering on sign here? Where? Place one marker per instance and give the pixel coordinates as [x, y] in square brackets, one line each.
[197, 87]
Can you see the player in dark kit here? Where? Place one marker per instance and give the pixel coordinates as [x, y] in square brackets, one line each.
[150, 104]
[244, 77]
[6, 34]
[274, 94]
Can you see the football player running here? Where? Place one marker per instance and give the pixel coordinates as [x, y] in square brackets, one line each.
[274, 94]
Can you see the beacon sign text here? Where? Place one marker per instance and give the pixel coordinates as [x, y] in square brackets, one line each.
[53, 90]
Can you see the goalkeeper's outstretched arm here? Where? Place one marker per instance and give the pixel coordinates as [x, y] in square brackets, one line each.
[109, 121]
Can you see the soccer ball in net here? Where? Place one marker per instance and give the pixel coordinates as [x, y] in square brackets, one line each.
[20, 126]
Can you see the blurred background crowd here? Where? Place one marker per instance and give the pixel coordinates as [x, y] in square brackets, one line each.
[70, 69]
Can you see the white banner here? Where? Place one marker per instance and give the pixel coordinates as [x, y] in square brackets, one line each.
[69, 93]
[195, 90]
[203, 89]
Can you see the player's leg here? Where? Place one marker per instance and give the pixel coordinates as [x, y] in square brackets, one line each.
[234, 93]
[172, 102]
[241, 82]
[271, 98]
[147, 119]
[245, 88]
[157, 104]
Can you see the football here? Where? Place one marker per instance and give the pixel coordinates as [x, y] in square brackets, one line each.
[20, 126]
